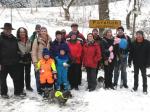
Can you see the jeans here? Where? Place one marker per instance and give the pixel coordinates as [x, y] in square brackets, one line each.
[120, 65]
[37, 77]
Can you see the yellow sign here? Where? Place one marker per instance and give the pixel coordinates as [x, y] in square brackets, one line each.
[104, 23]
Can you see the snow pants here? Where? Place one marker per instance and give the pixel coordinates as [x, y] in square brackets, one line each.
[62, 78]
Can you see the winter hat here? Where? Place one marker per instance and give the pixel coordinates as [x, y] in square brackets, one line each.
[64, 47]
[140, 32]
[58, 32]
[120, 28]
[106, 31]
[46, 52]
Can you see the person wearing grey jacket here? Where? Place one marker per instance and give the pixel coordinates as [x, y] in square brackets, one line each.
[24, 45]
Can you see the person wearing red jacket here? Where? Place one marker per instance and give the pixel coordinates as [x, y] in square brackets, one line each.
[75, 55]
[91, 57]
[74, 29]
[81, 38]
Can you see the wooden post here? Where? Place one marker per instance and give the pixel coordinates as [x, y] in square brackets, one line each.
[103, 13]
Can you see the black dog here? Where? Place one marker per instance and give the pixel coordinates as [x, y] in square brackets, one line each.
[100, 82]
[54, 96]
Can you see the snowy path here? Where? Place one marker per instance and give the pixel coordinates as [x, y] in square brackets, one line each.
[120, 100]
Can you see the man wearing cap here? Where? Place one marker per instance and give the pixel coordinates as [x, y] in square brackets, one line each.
[74, 30]
[121, 50]
[9, 60]
[139, 54]
[81, 38]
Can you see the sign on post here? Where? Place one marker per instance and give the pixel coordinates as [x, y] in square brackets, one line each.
[104, 24]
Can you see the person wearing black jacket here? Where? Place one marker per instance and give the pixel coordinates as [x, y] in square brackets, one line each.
[108, 57]
[9, 60]
[139, 54]
[121, 50]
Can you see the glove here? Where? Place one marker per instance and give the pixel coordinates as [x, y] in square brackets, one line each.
[54, 76]
[65, 64]
[35, 66]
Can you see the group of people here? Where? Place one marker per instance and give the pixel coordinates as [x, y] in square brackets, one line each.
[58, 63]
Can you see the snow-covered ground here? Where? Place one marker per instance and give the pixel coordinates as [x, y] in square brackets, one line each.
[120, 100]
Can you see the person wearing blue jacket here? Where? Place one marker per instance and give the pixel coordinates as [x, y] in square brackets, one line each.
[57, 43]
[62, 65]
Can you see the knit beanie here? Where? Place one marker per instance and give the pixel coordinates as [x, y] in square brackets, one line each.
[46, 52]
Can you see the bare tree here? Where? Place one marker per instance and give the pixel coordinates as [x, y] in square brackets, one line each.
[66, 5]
[136, 10]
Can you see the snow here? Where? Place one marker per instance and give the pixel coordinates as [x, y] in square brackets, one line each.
[120, 100]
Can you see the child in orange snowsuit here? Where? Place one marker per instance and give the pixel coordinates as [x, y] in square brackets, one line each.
[47, 69]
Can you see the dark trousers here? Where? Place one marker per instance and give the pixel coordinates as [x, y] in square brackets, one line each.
[74, 75]
[80, 75]
[136, 78]
[97, 69]
[0, 82]
[14, 74]
[91, 77]
[25, 70]
[108, 74]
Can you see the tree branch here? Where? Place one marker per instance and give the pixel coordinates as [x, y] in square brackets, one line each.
[71, 2]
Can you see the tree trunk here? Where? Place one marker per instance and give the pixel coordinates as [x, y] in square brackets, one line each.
[67, 14]
[66, 9]
[128, 20]
[103, 13]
